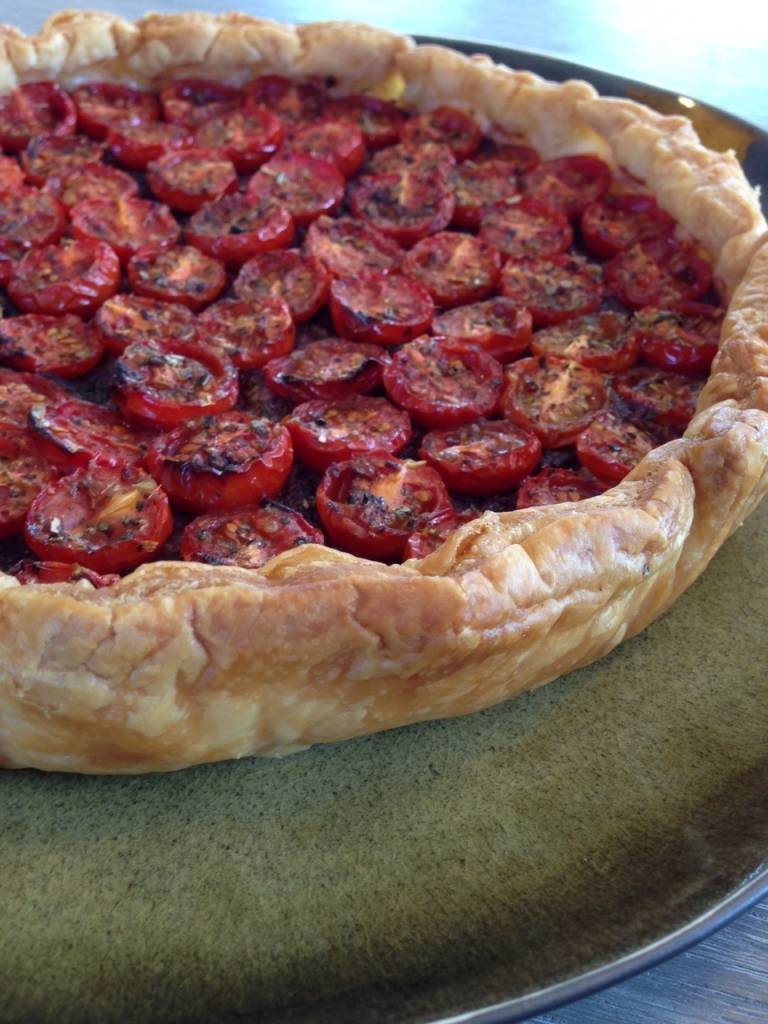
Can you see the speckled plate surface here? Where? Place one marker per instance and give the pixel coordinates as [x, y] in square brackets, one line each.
[424, 873]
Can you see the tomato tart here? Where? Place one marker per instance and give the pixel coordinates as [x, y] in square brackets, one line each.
[346, 383]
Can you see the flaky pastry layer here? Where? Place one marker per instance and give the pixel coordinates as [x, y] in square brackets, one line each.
[181, 663]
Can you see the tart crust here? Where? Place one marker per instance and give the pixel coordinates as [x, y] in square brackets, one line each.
[182, 663]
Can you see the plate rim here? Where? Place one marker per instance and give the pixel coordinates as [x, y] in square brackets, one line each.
[755, 886]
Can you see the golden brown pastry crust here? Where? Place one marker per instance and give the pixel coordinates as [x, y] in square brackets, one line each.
[183, 663]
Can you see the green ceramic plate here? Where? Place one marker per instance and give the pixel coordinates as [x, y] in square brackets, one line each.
[520, 856]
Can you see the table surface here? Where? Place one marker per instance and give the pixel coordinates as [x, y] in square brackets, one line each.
[689, 48]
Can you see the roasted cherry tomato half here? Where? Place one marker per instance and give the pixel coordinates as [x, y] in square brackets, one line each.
[30, 219]
[103, 105]
[291, 101]
[482, 457]
[477, 187]
[446, 125]
[348, 247]
[512, 147]
[21, 479]
[192, 101]
[47, 156]
[611, 446]
[602, 341]
[433, 531]
[615, 222]
[497, 326]
[659, 395]
[427, 158]
[236, 228]
[11, 174]
[134, 146]
[659, 272]
[674, 341]
[63, 345]
[524, 227]
[163, 384]
[126, 225]
[441, 384]
[326, 431]
[249, 332]
[454, 268]
[178, 273]
[385, 310]
[246, 137]
[108, 519]
[70, 433]
[185, 179]
[303, 283]
[337, 142]
[554, 398]
[553, 290]
[370, 505]
[248, 538]
[222, 462]
[91, 181]
[19, 392]
[332, 368]
[124, 319]
[305, 186]
[553, 486]
[30, 571]
[405, 206]
[568, 183]
[378, 120]
[71, 277]
[38, 108]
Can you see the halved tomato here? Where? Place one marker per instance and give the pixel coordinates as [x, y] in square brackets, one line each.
[425, 158]
[236, 228]
[21, 479]
[303, 283]
[497, 326]
[615, 222]
[47, 156]
[441, 384]
[19, 392]
[248, 538]
[222, 462]
[447, 125]
[185, 179]
[483, 457]
[70, 433]
[676, 341]
[134, 146]
[326, 431]
[477, 187]
[163, 384]
[378, 120]
[348, 247]
[127, 318]
[370, 505]
[553, 290]
[553, 485]
[382, 309]
[611, 446]
[604, 341]
[568, 183]
[339, 143]
[659, 395]
[332, 368]
[290, 100]
[176, 273]
[30, 571]
[108, 519]
[37, 108]
[305, 186]
[103, 105]
[91, 181]
[30, 219]
[193, 101]
[63, 345]
[659, 272]
[71, 277]
[246, 137]
[524, 227]
[455, 268]
[431, 532]
[554, 398]
[124, 224]
[249, 332]
[406, 205]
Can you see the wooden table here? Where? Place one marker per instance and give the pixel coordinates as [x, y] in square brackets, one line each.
[691, 48]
